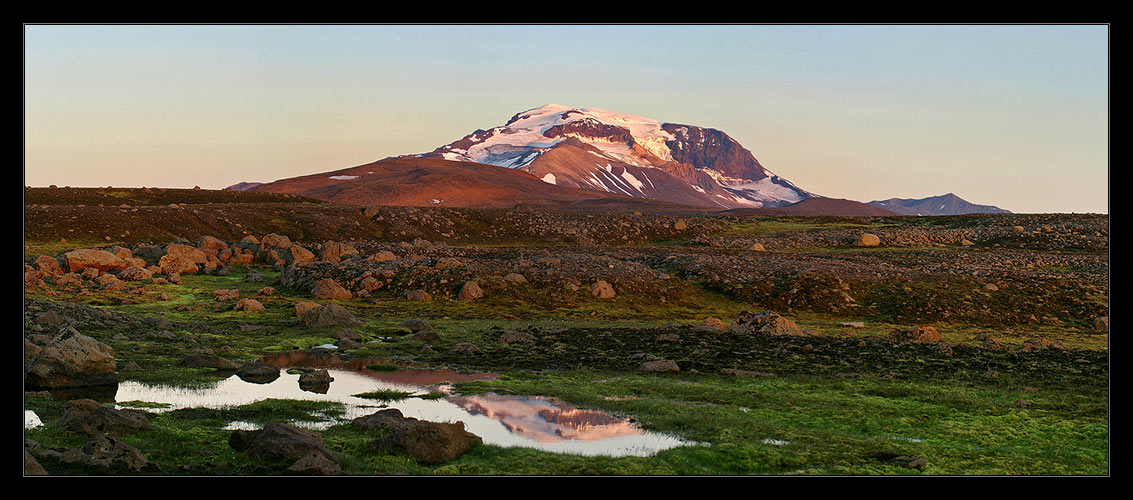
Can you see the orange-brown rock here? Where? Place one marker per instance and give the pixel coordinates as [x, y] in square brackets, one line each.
[334, 251]
[328, 289]
[48, 264]
[303, 307]
[916, 334]
[89, 258]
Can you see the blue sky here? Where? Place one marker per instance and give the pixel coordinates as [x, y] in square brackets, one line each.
[1015, 116]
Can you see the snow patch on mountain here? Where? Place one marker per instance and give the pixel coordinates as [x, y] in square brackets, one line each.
[632, 180]
[767, 189]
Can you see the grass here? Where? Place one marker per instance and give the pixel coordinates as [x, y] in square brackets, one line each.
[787, 225]
[842, 426]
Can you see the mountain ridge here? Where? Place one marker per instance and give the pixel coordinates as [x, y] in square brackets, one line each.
[594, 157]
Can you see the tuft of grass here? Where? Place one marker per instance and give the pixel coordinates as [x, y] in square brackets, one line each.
[384, 395]
[143, 404]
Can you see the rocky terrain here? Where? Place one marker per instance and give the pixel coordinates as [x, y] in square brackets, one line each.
[208, 286]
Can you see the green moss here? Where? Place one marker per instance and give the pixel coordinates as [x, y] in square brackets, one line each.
[841, 426]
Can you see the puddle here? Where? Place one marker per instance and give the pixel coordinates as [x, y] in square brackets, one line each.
[31, 420]
[503, 420]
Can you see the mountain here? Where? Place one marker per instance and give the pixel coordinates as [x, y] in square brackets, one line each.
[817, 206]
[595, 149]
[945, 204]
[242, 186]
[410, 181]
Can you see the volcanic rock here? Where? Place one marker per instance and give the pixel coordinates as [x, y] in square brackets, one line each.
[328, 289]
[318, 377]
[135, 273]
[334, 251]
[330, 315]
[225, 295]
[765, 323]
[427, 442]
[516, 337]
[89, 417]
[415, 325]
[257, 373]
[279, 441]
[89, 258]
[75, 361]
[1101, 324]
[47, 264]
[249, 305]
[916, 334]
[660, 365]
[314, 463]
[711, 323]
[470, 291]
[602, 290]
[302, 307]
[465, 348]
[868, 240]
[382, 256]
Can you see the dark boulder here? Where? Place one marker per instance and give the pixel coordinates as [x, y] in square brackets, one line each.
[281, 441]
[74, 360]
[330, 315]
[426, 442]
[257, 373]
[89, 417]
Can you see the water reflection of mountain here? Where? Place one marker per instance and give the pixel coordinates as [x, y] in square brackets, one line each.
[546, 419]
[578, 419]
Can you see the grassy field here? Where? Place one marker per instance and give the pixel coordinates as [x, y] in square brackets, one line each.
[842, 401]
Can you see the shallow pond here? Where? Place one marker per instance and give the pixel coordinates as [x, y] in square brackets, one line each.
[503, 420]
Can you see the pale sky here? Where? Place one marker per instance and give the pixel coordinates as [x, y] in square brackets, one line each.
[1012, 116]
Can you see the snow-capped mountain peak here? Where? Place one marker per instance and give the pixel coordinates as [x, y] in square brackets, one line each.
[694, 164]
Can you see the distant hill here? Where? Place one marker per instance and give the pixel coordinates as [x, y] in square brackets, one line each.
[411, 181]
[242, 186]
[945, 204]
[817, 206]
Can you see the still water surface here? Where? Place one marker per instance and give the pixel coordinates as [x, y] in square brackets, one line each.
[503, 420]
